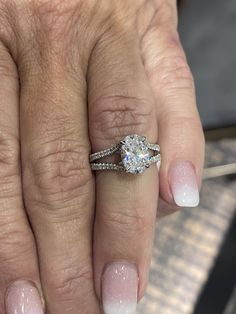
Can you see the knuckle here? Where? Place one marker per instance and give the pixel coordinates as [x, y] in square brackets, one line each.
[68, 287]
[116, 116]
[163, 13]
[59, 170]
[53, 31]
[127, 222]
[167, 65]
[15, 243]
[175, 73]
[60, 16]
[58, 19]
[54, 15]
[9, 154]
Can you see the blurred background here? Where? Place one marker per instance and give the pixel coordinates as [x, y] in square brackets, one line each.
[194, 261]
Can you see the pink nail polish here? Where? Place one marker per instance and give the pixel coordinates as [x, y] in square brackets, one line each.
[22, 297]
[120, 288]
[183, 184]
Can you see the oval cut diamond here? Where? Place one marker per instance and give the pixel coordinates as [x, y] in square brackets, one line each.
[135, 154]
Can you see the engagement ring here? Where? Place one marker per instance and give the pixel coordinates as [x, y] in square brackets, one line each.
[136, 155]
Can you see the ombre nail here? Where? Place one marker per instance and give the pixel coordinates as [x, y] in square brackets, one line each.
[22, 297]
[120, 288]
[183, 184]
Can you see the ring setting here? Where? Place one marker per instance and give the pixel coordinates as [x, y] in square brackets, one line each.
[136, 155]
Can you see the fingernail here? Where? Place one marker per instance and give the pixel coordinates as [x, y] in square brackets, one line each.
[183, 184]
[22, 297]
[120, 288]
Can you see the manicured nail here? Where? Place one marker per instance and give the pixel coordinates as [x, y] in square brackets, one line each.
[22, 297]
[120, 288]
[183, 184]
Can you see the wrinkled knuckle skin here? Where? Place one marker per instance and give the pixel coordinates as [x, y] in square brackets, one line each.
[9, 163]
[58, 172]
[55, 17]
[68, 288]
[127, 223]
[38, 30]
[175, 73]
[168, 66]
[9, 150]
[115, 117]
[56, 28]
[15, 244]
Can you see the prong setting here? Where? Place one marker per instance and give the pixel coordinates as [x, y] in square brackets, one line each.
[134, 152]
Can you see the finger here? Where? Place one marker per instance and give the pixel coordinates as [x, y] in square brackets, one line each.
[180, 131]
[121, 103]
[58, 185]
[18, 258]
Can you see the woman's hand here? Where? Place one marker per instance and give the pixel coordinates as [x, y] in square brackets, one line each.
[79, 76]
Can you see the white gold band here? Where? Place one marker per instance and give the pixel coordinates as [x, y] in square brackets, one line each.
[135, 155]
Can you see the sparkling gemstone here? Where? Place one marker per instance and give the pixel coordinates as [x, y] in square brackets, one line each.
[135, 154]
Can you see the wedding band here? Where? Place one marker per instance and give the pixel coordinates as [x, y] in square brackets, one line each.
[136, 155]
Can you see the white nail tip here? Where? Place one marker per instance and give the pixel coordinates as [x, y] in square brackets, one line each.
[186, 197]
[119, 288]
[184, 184]
[120, 308]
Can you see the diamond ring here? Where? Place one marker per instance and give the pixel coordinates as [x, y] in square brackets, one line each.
[135, 154]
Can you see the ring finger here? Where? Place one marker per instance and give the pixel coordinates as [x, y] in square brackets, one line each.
[121, 103]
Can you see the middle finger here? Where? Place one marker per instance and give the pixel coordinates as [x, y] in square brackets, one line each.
[57, 181]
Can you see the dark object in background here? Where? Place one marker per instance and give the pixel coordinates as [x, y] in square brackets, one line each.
[207, 30]
[180, 3]
[221, 283]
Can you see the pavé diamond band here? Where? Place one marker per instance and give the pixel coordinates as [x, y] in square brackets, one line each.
[135, 153]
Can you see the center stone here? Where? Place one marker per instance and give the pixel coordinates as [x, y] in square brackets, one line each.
[134, 153]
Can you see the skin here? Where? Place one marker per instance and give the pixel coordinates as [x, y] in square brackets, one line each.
[77, 76]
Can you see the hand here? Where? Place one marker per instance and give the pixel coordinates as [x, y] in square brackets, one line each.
[79, 76]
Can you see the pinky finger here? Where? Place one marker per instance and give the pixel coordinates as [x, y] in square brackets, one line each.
[179, 127]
